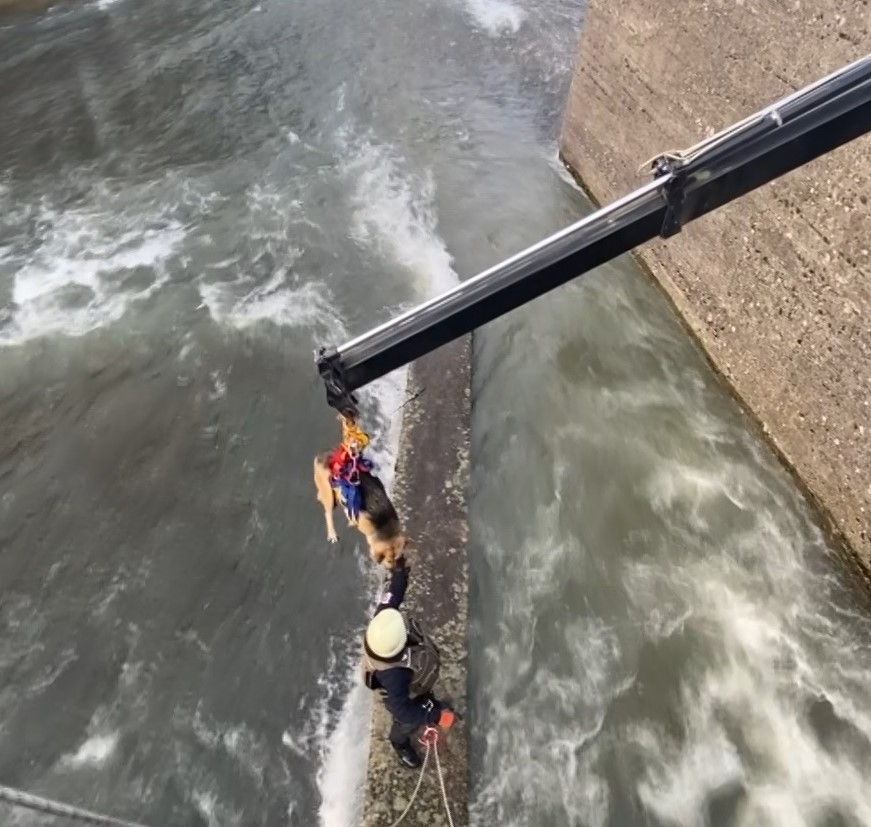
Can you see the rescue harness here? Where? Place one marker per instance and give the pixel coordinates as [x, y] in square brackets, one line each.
[347, 464]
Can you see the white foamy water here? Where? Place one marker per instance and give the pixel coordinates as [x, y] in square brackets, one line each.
[88, 268]
[394, 215]
[244, 303]
[662, 635]
[776, 656]
[338, 742]
[343, 740]
[764, 650]
[208, 806]
[496, 17]
[238, 297]
[75, 267]
[250, 752]
[94, 752]
[342, 775]
[544, 763]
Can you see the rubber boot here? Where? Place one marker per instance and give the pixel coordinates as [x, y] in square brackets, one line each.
[408, 755]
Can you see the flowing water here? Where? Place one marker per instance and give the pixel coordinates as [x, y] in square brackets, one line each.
[193, 196]
[661, 636]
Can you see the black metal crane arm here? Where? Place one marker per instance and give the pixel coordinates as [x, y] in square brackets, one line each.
[800, 127]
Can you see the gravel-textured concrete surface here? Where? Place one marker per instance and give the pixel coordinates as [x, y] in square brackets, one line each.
[431, 487]
[775, 286]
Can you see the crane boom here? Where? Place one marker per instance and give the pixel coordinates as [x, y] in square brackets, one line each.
[774, 141]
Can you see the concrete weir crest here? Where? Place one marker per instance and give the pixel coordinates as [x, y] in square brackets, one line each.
[430, 494]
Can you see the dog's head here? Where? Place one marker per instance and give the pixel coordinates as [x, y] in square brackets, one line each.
[387, 553]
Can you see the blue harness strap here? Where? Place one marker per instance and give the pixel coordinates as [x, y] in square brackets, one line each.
[347, 483]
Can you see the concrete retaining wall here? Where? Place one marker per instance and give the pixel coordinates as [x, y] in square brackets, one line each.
[776, 286]
[432, 478]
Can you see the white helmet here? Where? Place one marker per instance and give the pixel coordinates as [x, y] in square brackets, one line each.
[386, 634]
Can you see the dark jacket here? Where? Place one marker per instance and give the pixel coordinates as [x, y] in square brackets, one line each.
[395, 682]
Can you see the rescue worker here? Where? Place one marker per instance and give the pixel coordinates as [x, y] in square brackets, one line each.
[402, 662]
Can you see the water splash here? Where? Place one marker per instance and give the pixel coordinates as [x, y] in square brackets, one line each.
[94, 752]
[394, 214]
[496, 17]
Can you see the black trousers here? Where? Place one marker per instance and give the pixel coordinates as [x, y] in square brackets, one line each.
[400, 734]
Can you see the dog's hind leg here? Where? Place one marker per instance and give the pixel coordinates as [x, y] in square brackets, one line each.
[326, 497]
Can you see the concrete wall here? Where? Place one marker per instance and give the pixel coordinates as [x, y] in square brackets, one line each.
[432, 478]
[776, 286]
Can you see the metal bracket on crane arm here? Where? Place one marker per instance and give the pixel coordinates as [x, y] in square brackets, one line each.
[332, 371]
[672, 192]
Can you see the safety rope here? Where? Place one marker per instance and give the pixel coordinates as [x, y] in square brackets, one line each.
[707, 144]
[407, 809]
[430, 739]
[442, 783]
[19, 798]
[771, 113]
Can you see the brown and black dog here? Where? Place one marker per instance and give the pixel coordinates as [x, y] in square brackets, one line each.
[378, 521]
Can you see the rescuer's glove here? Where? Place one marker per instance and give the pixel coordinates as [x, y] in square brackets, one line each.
[446, 719]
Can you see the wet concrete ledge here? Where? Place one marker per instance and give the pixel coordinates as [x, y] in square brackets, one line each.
[430, 492]
[776, 287]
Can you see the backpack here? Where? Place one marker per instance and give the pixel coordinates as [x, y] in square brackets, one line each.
[425, 659]
[421, 656]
